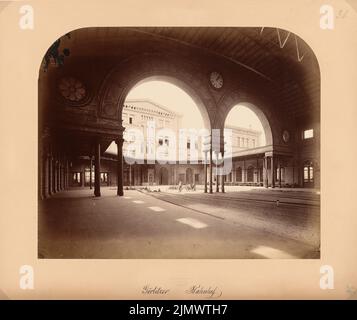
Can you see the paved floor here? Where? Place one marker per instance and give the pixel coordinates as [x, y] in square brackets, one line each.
[290, 213]
[74, 224]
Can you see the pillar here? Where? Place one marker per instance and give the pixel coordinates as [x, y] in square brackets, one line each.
[222, 174]
[97, 170]
[217, 177]
[205, 171]
[210, 170]
[265, 173]
[50, 174]
[45, 171]
[67, 174]
[60, 176]
[119, 143]
[130, 175]
[243, 173]
[279, 168]
[55, 187]
[90, 172]
[272, 172]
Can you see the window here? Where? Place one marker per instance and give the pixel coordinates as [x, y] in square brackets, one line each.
[103, 177]
[308, 172]
[87, 176]
[77, 177]
[238, 141]
[130, 120]
[308, 134]
[253, 142]
[161, 141]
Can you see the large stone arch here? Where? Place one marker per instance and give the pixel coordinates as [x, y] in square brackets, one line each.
[268, 119]
[173, 69]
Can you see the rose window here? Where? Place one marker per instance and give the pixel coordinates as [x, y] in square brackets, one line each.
[72, 89]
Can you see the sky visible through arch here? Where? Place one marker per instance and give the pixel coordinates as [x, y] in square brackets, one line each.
[171, 97]
[242, 116]
[179, 101]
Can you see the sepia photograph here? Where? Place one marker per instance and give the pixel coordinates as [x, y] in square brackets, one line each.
[179, 143]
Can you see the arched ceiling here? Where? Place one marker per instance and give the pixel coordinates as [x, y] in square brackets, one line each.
[278, 56]
[272, 55]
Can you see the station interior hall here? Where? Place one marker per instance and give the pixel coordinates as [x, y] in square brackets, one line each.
[179, 143]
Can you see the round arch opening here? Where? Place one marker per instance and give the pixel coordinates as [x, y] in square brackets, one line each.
[249, 125]
[173, 93]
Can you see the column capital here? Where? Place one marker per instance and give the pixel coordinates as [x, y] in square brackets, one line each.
[119, 141]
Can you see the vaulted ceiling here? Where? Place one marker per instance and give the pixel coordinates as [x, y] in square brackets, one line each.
[278, 56]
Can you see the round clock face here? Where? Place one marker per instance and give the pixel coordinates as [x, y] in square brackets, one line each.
[72, 89]
[286, 136]
[216, 80]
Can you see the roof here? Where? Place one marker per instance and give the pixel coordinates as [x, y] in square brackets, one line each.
[149, 104]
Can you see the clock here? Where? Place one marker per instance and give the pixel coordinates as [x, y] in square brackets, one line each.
[216, 80]
[286, 136]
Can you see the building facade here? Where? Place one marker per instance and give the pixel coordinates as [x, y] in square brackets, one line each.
[143, 115]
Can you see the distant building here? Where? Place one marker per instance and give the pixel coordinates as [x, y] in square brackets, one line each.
[137, 115]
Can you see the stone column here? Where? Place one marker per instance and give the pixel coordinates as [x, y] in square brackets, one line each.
[205, 171]
[90, 172]
[97, 169]
[243, 173]
[60, 175]
[222, 174]
[83, 174]
[217, 176]
[50, 175]
[55, 188]
[210, 170]
[265, 173]
[44, 170]
[119, 143]
[49, 168]
[67, 174]
[272, 168]
[130, 175]
[279, 166]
